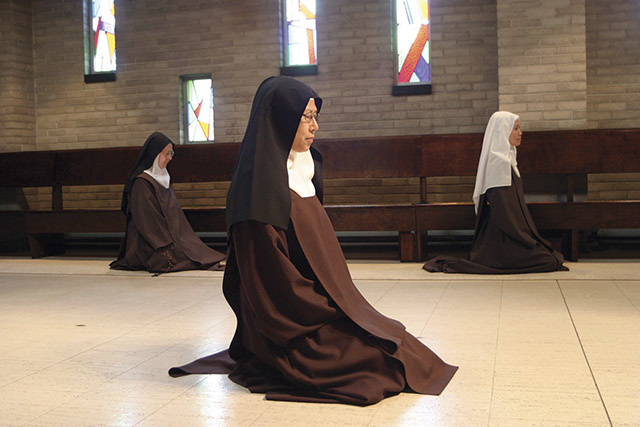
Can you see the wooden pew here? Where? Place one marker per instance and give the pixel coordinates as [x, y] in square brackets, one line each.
[567, 154]
[110, 166]
[389, 157]
[564, 154]
[17, 171]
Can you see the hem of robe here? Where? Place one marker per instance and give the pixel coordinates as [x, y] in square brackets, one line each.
[124, 266]
[280, 390]
[446, 264]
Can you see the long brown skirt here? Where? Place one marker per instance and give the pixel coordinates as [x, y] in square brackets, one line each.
[305, 333]
[505, 241]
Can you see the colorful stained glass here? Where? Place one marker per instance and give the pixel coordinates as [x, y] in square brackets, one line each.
[300, 43]
[199, 109]
[103, 31]
[412, 19]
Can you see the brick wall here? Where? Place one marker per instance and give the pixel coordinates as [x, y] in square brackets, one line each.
[613, 90]
[548, 60]
[17, 112]
[542, 62]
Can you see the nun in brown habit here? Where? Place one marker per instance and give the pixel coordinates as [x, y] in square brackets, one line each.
[304, 332]
[505, 240]
[158, 237]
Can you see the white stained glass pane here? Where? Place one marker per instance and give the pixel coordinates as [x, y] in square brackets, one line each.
[200, 109]
[103, 25]
[301, 43]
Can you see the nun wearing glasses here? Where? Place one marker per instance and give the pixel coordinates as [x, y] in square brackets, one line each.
[304, 331]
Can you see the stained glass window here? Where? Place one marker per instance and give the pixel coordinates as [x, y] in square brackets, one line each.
[299, 32]
[412, 42]
[103, 36]
[198, 106]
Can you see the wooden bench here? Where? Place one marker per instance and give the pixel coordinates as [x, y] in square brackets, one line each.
[17, 171]
[201, 163]
[567, 155]
[112, 166]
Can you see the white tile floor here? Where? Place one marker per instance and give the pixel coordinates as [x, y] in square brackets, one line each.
[81, 345]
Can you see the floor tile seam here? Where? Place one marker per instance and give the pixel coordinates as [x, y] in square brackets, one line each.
[171, 400]
[68, 359]
[87, 392]
[495, 353]
[584, 354]
[79, 395]
[435, 307]
[140, 276]
[257, 418]
[633, 304]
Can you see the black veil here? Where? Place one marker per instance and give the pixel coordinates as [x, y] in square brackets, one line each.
[259, 188]
[154, 144]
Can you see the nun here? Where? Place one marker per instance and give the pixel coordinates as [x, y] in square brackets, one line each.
[505, 239]
[304, 332]
[158, 237]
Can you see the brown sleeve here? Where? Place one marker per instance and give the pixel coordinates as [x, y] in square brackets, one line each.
[506, 215]
[147, 215]
[282, 304]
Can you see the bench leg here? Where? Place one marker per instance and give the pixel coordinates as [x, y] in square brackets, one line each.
[42, 245]
[422, 239]
[407, 243]
[573, 245]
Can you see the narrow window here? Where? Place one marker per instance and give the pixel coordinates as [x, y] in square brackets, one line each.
[100, 40]
[412, 47]
[299, 37]
[197, 96]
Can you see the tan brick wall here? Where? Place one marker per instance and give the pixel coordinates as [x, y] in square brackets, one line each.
[551, 61]
[542, 62]
[614, 186]
[613, 90]
[17, 112]
[38, 198]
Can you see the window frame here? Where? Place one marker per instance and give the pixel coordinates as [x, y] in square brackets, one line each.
[184, 105]
[293, 70]
[410, 88]
[90, 75]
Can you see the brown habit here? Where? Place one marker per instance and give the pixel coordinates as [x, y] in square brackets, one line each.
[159, 238]
[505, 240]
[305, 332]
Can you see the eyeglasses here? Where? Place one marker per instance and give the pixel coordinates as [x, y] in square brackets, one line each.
[307, 117]
[173, 153]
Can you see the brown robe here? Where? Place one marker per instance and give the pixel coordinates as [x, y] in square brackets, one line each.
[159, 238]
[305, 333]
[505, 240]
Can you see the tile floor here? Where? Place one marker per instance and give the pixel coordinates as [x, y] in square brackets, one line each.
[81, 345]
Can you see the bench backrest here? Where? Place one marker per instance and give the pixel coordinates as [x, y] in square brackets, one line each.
[542, 153]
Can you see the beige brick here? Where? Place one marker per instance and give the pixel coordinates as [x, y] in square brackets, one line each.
[566, 64]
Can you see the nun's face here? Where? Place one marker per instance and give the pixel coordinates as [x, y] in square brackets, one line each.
[515, 138]
[165, 156]
[307, 128]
